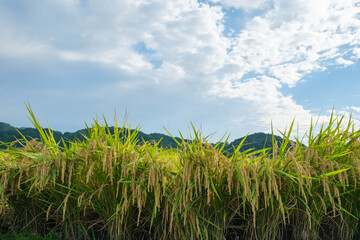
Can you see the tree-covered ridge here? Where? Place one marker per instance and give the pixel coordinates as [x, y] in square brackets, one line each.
[256, 141]
[5, 126]
[9, 133]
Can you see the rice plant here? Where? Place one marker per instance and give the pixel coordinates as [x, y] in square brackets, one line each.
[114, 186]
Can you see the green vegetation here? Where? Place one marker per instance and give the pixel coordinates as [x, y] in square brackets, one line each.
[8, 133]
[11, 235]
[110, 187]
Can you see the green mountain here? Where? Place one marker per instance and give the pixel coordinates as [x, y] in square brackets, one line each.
[5, 126]
[166, 141]
[9, 133]
[254, 141]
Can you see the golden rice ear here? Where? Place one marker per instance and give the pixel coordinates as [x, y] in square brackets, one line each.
[70, 169]
[65, 203]
[48, 212]
[63, 169]
[90, 171]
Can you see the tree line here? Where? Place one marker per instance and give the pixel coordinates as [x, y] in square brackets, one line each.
[253, 142]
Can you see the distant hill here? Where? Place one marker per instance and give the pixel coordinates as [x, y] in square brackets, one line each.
[9, 133]
[5, 126]
[254, 141]
[166, 141]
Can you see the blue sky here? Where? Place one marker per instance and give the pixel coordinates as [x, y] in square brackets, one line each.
[225, 65]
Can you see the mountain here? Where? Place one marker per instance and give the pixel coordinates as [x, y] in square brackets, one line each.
[9, 133]
[166, 141]
[254, 141]
[5, 126]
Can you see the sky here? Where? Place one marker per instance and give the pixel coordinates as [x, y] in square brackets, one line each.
[226, 66]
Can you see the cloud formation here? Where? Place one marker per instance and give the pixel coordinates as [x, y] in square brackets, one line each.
[188, 51]
[283, 46]
[247, 5]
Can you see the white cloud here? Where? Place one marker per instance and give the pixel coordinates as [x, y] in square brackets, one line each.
[287, 73]
[71, 56]
[267, 104]
[344, 62]
[349, 113]
[14, 43]
[290, 46]
[288, 41]
[356, 52]
[353, 109]
[244, 4]
[21, 48]
[173, 73]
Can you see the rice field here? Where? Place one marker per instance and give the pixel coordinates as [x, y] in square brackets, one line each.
[112, 187]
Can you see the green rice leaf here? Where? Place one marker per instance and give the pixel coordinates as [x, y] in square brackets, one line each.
[214, 188]
[329, 174]
[343, 209]
[208, 221]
